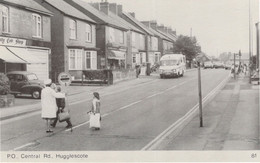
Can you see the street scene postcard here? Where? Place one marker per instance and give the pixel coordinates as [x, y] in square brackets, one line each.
[129, 81]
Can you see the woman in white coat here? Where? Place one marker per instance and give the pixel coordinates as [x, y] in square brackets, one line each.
[48, 102]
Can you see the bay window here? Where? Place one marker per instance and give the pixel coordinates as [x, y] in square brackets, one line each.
[75, 59]
[90, 60]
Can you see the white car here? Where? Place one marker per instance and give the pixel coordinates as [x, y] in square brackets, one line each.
[208, 65]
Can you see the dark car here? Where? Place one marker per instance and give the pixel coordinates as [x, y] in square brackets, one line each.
[23, 82]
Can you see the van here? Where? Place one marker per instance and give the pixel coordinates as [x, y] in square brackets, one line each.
[172, 65]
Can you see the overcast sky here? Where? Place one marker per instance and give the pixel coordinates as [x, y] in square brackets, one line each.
[219, 25]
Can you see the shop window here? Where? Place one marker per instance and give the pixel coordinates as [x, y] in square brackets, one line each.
[73, 29]
[88, 33]
[5, 19]
[75, 59]
[37, 25]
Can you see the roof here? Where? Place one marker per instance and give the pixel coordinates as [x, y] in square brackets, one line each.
[100, 17]
[167, 35]
[69, 10]
[141, 25]
[124, 22]
[28, 5]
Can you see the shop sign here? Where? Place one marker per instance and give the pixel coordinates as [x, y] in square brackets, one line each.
[12, 41]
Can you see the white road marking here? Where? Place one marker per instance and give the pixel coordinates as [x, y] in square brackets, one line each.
[23, 146]
[155, 142]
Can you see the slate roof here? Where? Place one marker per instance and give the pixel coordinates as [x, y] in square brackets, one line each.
[141, 25]
[99, 16]
[69, 10]
[167, 35]
[28, 5]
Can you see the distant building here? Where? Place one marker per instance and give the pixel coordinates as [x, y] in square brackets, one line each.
[25, 37]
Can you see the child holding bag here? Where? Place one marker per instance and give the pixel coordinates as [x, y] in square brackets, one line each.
[94, 113]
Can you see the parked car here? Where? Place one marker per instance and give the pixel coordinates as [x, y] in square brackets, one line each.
[208, 64]
[218, 64]
[228, 65]
[23, 82]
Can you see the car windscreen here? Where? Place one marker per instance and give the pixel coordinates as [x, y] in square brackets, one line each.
[32, 77]
[169, 62]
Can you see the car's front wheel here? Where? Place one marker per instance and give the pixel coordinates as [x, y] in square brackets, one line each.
[36, 94]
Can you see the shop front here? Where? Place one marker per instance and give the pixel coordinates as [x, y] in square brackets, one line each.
[116, 59]
[16, 56]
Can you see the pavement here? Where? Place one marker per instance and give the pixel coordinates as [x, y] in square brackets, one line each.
[230, 121]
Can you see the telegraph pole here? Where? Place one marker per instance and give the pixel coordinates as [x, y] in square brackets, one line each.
[200, 95]
[257, 45]
[234, 65]
[250, 61]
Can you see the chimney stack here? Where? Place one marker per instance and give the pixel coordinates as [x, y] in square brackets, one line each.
[154, 24]
[113, 8]
[146, 23]
[104, 7]
[95, 5]
[161, 28]
[119, 10]
[132, 14]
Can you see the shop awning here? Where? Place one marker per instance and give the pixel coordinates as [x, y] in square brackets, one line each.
[26, 55]
[9, 57]
[114, 54]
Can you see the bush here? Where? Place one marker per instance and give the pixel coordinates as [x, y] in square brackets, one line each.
[4, 84]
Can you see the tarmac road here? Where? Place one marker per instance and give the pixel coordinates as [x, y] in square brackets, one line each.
[133, 115]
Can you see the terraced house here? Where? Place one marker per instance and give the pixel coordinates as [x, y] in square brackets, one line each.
[25, 37]
[113, 33]
[73, 39]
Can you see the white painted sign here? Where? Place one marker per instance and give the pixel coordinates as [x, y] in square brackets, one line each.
[64, 79]
[12, 41]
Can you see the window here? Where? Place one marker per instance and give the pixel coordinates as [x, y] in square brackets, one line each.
[73, 31]
[121, 37]
[75, 59]
[133, 39]
[88, 33]
[37, 25]
[134, 58]
[5, 19]
[142, 41]
[91, 59]
[111, 35]
[88, 59]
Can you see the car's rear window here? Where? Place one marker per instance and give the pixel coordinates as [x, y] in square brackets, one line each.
[32, 77]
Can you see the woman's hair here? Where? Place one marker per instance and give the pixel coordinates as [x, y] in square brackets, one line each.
[58, 89]
[96, 94]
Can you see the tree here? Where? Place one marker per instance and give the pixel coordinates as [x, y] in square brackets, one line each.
[187, 46]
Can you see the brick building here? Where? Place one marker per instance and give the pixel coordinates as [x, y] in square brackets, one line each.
[73, 39]
[25, 37]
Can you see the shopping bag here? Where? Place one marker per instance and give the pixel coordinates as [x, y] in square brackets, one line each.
[63, 116]
[94, 120]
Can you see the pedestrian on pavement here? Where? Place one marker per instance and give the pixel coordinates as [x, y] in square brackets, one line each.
[138, 70]
[95, 116]
[48, 103]
[61, 103]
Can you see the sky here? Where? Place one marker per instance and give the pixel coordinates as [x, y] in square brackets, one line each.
[219, 25]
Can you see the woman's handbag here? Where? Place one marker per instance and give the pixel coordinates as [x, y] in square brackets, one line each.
[64, 116]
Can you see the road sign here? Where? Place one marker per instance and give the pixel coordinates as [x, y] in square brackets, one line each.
[64, 79]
